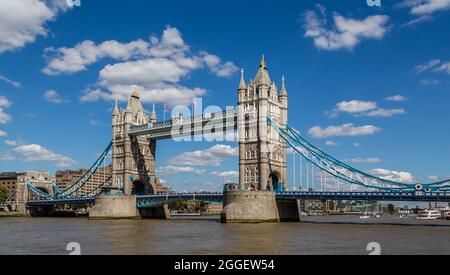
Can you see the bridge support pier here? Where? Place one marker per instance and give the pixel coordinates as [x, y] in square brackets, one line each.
[160, 212]
[124, 207]
[249, 207]
[289, 210]
[114, 207]
[258, 207]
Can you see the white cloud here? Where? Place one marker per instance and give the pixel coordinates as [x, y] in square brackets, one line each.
[363, 160]
[385, 112]
[154, 68]
[332, 143]
[4, 117]
[356, 106]
[11, 82]
[433, 178]
[173, 95]
[37, 153]
[418, 20]
[21, 21]
[3, 133]
[348, 129]
[52, 96]
[76, 59]
[6, 157]
[420, 7]
[430, 82]
[4, 102]
[404, 177]
[363, 108]
[226, 174]
[213, 156]
[171, 170]
[434, 65]
[397, 98]
[346, 33]
[11, 142]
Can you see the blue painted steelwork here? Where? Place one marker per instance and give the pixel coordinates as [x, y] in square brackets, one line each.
[70, 191]
[345, 172]
[195, 125]
[73, 201]
[368, 196]
[152, 200]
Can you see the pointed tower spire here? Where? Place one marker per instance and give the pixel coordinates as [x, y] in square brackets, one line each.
[242, 85]
[263, 63]
[262, 77]
[153, 118]
[116, 108]
[283, 87]
[128, 109]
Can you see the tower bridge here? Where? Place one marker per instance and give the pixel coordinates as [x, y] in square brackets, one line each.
[264, 134]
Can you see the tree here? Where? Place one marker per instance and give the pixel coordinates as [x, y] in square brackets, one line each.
[3, 194]
[391, 209]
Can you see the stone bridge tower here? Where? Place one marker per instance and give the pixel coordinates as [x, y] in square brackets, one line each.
[262, 152]
[133, 158]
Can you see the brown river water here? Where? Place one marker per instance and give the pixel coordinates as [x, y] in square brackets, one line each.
[316, 235]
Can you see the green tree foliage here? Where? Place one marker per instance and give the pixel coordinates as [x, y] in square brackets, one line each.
[187, 206]
[3, 194]
[391, 209]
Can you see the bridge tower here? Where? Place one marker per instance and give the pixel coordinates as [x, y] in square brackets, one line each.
[263, 153]
[133, 158]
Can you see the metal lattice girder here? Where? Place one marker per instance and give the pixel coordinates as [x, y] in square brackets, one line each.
[152, 200]
[343, 171]
[179, 127]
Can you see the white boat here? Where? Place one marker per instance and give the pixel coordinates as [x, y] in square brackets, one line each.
[429, 215]
[365, 216]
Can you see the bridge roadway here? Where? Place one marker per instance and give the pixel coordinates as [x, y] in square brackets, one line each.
[153, 200]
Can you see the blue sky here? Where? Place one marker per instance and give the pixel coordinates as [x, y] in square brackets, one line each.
[369, 85]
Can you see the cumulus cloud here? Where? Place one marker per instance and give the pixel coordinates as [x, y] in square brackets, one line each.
[344, 130]
[4, 117]
[171, 170]
[363, 108]
[356, 106]
[22, 21]
[404, 177]
[52, 96]
[38, 153]
[332, 143]
[154, 67]
[11, 142]
[385, 112]
[225, 174]
[3, 133]
[346, 33]
[363, 160]
[213, 156]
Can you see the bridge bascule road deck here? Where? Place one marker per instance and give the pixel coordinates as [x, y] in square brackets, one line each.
[264, 135]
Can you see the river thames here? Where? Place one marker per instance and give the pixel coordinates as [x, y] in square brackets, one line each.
[317, 235]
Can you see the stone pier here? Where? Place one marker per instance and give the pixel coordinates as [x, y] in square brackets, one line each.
[258, 207]
[124, 207]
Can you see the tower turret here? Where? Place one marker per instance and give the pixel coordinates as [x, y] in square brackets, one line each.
[153, 118]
